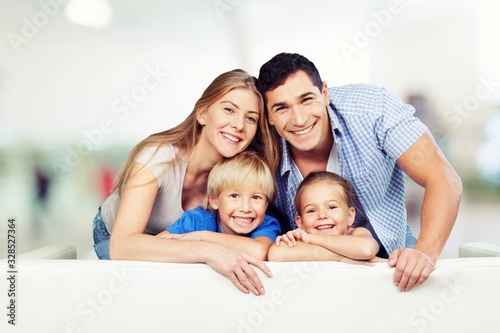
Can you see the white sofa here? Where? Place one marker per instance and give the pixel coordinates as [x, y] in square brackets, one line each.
[67, 295]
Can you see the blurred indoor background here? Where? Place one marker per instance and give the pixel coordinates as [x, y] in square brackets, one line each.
[82, 81]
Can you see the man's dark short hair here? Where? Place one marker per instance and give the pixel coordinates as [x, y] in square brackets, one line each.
[277, 70]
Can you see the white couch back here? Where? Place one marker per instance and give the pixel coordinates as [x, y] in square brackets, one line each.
[57, 296]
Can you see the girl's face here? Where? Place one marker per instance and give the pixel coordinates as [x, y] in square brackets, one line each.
[324, 210]
[240, 211]
[230, 124]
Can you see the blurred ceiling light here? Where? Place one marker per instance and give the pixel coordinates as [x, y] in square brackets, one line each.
[95, 14]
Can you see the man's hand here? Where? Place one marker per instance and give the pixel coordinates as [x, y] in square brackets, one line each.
[413, 267]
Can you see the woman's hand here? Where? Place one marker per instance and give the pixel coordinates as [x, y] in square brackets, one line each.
[237, 267]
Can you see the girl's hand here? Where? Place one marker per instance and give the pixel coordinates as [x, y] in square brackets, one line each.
[291, 237]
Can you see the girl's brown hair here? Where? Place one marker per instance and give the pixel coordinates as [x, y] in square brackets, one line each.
[328, 177]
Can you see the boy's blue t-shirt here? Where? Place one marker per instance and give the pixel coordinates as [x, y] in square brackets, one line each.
[198, 219]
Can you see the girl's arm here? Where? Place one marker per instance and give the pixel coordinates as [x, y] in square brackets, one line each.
[309, 252]
[301, 252]
[358, 244]
[128, 241]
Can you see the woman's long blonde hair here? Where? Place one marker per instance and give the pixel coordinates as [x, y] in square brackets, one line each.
[186, 135]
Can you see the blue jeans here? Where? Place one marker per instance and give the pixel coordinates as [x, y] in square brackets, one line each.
[101, 237]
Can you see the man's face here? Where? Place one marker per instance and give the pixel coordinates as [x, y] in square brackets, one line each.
[297, 109]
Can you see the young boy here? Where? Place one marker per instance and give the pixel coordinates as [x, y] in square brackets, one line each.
[325, 218]
[238, 192]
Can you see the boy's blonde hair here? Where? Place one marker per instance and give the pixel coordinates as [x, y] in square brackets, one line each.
[245, 170]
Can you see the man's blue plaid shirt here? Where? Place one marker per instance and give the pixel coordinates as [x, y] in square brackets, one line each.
[371, 129]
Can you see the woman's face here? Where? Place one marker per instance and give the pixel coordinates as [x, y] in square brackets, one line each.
[230, 124]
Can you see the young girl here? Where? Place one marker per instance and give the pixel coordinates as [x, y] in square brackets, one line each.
[238, 192]
[167, 172]
[325, 219]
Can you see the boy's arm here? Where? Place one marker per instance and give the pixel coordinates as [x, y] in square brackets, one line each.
[258, 242]
[257, 247]
[163, 234]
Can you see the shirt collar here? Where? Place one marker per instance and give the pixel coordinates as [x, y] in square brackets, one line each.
[286, 157]
[334, 120]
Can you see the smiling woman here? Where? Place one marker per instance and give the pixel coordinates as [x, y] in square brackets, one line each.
[166, 174]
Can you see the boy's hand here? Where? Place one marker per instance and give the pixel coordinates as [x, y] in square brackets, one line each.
[193, 236]
[291, 237]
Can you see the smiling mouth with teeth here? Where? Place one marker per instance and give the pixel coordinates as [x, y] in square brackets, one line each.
[325, 226]
[230, 137]
[243, 221]
[304, 131]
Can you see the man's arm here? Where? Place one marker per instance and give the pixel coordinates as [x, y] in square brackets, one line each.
[425, 164]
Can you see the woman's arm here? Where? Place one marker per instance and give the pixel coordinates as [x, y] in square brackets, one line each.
[128, 241]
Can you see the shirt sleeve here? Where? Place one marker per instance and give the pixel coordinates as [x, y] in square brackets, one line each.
[156, 158]
[397, 128]
[193, 220]
[269, 228]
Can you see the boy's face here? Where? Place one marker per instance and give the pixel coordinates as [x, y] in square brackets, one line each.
[324, 210]
[240, 211]
[297, 110]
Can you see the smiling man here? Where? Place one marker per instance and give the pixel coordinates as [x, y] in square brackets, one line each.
[372, 138]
